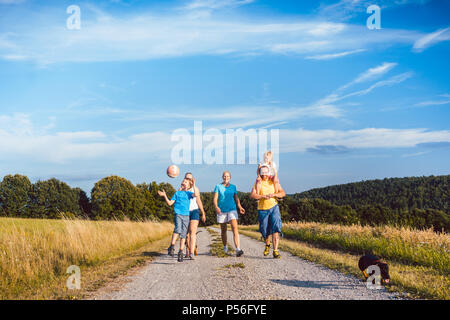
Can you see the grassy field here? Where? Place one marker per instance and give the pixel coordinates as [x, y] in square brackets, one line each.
[419, 260]
[35, 253]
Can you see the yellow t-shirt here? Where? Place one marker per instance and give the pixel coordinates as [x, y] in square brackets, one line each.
[267, 187]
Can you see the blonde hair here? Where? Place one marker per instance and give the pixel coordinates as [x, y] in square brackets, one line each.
[268, 156]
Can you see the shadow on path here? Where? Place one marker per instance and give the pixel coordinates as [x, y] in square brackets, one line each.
[315, 284]
[151, 254]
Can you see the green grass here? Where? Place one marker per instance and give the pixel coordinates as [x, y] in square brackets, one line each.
[217, 246]
[235, 265]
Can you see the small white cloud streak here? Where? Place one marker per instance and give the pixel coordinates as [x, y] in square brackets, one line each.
[432, 103]
[431, 39]
[371, 74]
[330, 56]
[215, 4]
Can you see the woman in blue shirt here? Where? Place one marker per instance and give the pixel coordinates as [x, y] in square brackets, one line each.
[227, 202]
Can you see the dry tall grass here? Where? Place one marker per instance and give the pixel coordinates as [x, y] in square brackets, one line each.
[35, 252]
[405, 245]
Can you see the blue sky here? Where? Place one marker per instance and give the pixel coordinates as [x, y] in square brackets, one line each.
[351, 103]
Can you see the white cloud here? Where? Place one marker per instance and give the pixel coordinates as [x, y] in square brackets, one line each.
[432, 103]
[334, 55]
[346, 9]
[383, 83]
[371, 74]
[431, 39]
[21, 140]
[375, 72]
[216, 4]
[11, 1]
[176, 33]
[301, 140]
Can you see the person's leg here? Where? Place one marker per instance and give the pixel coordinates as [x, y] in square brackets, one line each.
[182, 242]
[263, 219]
[275, 222]
[275, 240]
[174, 239]
[223, 228]
[188, 243]
[192, 235]
[234, 229]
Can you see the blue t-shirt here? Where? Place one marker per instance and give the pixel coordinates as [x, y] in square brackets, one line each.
[182, 201]
[226, 197]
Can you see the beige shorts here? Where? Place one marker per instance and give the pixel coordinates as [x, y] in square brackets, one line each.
[225, 217]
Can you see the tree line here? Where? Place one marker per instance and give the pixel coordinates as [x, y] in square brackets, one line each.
[117, 198]
[398, 194]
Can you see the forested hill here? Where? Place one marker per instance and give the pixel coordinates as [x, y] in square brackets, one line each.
[395, 193]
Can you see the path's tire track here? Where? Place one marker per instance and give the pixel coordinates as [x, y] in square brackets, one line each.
[262, 278]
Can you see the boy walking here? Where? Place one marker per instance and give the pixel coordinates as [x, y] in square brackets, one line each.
[180, 201]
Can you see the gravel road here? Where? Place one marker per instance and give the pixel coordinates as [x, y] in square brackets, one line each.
[206, 277]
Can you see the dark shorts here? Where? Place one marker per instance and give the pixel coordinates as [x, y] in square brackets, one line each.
[269, 221]
[194, 214]
[181, 225]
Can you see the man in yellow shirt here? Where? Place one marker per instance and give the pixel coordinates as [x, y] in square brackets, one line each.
[268, 211]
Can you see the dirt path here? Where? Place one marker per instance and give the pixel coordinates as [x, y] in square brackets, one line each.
[207, 277]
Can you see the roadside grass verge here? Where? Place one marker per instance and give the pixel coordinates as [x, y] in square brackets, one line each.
[217, 246]
[35, 254]
[340, 247]
[239, 265]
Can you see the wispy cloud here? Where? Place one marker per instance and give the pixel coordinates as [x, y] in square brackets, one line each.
[375, 72]
[175, 33]
[342, 140]
[334, 55]
[11, 1]
[216, 4]
[346, 9]
[432, 38]
[371, 74]
[415, 154]
[21, 140]
[432, 103]
[338, 95]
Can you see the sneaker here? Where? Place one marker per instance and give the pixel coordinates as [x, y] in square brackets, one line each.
[239, 253]
[266, 250]
[276, 254]
[180, 256]
[225, 250]
[171, 251]
[191, 256]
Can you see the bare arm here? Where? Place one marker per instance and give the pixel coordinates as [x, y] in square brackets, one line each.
[279, 194]
[216, 202]
[199, 200]
[256, 196]
[163, 194]
[238, 204]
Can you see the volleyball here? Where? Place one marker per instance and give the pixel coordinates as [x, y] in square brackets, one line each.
[173, 171]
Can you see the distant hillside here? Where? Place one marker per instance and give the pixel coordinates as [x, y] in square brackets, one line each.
[395, 193]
